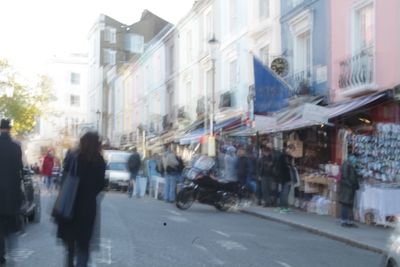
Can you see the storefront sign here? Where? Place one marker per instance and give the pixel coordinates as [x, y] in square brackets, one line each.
[315, 113]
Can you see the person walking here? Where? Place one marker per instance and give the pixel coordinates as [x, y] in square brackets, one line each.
[77, 232]
[230, 161]
[283, 178]
[47, 169]
[134, 163]
[242, 166]
[348, 186]
[172, 171]
[265, 169]
[11, 167]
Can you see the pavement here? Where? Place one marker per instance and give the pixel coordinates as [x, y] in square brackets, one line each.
[372, 238]
[148, 232]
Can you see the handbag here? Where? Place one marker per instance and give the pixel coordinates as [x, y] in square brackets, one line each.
[64, 206]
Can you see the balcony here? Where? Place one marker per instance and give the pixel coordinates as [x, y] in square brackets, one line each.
[301, 82]
[357, 72]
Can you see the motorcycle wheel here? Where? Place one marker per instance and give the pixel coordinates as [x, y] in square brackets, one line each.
[226, 202]
[185, 198]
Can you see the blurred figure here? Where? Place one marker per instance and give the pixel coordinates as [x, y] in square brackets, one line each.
[242, 166]
[284, 178]
[47, 169]
[265, 169]
[230, 161]
[10, 188]
[348, 186]
[36, 168]
[134, 163]
[77, 232]
[171, 169]
[251, 182]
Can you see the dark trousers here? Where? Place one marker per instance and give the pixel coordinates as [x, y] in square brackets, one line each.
[81, 249]
[266, 188]
[346, 213]
[7, 236]
[284, 195]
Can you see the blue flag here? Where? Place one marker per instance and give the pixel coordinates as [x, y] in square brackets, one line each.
[271, 92]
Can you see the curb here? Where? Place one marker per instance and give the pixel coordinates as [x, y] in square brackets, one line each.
[319, 232]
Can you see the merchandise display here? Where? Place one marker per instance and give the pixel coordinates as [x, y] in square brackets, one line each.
[378, 155]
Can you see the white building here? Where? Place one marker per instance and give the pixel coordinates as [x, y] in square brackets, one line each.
[62, 125]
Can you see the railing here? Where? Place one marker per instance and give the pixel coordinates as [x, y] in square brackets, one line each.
[301, 82]
[357, 70]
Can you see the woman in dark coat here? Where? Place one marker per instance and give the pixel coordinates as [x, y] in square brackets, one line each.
[77, 232]
[347, 189]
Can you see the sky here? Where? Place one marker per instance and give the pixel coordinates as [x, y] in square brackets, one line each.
[34, 31]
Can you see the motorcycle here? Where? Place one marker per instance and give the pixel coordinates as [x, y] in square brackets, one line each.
[205, 189]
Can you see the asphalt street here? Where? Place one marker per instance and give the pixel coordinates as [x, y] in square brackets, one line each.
[147, 232]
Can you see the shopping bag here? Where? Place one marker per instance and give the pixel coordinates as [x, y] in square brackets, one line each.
[63, 207]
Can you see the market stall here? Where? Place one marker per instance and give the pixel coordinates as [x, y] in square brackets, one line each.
[378, 164]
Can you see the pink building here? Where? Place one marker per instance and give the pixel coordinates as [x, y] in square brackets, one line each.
[365, 47]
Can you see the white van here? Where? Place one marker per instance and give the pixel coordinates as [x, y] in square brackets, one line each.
[117, 172]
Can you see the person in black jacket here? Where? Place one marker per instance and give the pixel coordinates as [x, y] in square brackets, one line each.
[265, 170]
[77, 232]
[348, 185]
[10, 186]
[283, 177]
[242, 167]
[134, 163]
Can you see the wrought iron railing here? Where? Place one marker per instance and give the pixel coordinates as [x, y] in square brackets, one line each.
[357, 70]
[300, 82]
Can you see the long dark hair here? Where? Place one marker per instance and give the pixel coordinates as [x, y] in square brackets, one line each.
[90, 146]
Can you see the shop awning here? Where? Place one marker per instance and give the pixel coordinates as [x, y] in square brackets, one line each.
[348, 106]
[194, 136]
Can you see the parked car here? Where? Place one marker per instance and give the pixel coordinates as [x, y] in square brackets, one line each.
[31, 208]
[117, 173]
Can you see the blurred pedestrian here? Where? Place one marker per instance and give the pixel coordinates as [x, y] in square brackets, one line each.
[251, 178]
[10, 188]
[230, 161]
[172, 171]
[242, 166]
[348, 186]
[283, 178]
[265, 169]
[134, 163]
[47, 169]
[77, 232]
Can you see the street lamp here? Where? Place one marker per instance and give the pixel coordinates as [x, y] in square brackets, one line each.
[98, 113]
[213, 46]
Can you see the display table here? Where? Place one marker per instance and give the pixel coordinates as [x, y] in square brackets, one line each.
[380, 201]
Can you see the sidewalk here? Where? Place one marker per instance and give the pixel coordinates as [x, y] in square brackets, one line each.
[373, 238]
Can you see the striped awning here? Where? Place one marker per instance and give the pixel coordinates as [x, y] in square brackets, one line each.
[339, 109]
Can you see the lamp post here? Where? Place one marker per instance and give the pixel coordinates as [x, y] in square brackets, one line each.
[98, 113]
[213, 46]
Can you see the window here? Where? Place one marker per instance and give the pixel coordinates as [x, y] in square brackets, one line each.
[75, 78]
[264, 55]
[134, 43]
[75, 100]
[364, 27]
[110, 35]
[264, 9]
[109, 56]
[233, 74]
[170, 59]
[232, 16]
[302, 56]
[189, 46]
[208, 26]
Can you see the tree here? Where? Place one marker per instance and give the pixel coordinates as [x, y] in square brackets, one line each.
[20, 102]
